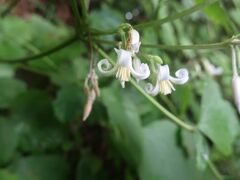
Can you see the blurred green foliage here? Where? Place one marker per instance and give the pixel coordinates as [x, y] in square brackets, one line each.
[42, 136]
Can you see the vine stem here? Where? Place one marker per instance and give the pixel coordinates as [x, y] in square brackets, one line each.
[218, 45]
[176, 15]
[151, 99]
[77, 17]
[214, 170]
[64, 44]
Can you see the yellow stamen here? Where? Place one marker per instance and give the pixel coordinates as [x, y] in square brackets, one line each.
[123, 73]
[166, 87]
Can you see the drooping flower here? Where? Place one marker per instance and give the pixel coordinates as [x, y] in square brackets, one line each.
[124, 67]
[134, 41]
[235, 78]
[165, 81]
[211, 69]
[236, 91]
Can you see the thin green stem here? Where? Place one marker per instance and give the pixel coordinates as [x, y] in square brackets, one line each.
[84, 10]
[214, 170]
[218, 45]
[43, 54]
[151, 99]
[161, 108]
[176, 15]
[76, 14]
[97, 32]
[9, 8]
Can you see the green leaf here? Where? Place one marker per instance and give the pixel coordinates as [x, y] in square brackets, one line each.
[44, 167]
[68, 104]
[14, 26]
[45, 33]
[125, 122]
[90, 167]
[8, 140]
[202, 155]
[10, 88]
[7, 175]
[218, 15]
[112, 18]
[40, 129]
[218, 119]
[162, 159]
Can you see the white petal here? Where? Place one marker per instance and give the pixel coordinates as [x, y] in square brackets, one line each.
[140, 70]
[236, 91]
[123, 84]
[152, 90]
[135, 47]
[211, 69]
[124, 57]
[134, 34]
[106, 70]
[181, 76]
[163, 72]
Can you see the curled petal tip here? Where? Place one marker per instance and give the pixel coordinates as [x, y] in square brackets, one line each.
[150, 89]
[105, 70]
[182, 76]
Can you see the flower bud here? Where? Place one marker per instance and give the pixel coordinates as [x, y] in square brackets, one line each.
[236, 91]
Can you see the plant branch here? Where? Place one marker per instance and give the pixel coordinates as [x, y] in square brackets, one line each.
[76, 14]
[151, 99]
[9, 8]
[176, 15]
[218, 45]
[214, 170]
[43, 54]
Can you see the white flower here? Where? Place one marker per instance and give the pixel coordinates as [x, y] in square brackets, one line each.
[236, 90]
[124, 67]
[236, 78]
[164, 80]
[134, 41]
[211, 69]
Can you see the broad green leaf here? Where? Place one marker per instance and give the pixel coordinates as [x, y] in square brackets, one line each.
[70, 73]
[162, 158]
[202, 151]
[40, 129]
[42, 167]
[6, 71]
[16, 29]
[218, 119]
[10, 88]
[90, 168]
[68, 105]
[7, 175]
[10, 50]
[219, 15]
[45, 33]
[8, 140]
[112, 18]
[125, 122]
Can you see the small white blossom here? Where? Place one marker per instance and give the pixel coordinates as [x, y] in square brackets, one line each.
[211, 69]
[236, 90]
[235, 78]
[125, 67]
[134, 40]
[165, 81]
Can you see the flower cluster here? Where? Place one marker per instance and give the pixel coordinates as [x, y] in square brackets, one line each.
[128, 64]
